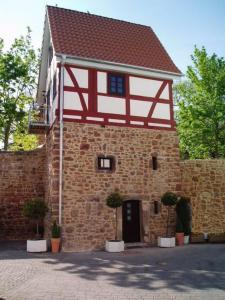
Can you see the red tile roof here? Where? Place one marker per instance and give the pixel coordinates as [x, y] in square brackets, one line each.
[89, 36]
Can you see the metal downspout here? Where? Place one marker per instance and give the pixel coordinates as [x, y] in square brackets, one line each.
[61, 139]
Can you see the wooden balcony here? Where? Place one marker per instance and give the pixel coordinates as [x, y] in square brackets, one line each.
[38, 120]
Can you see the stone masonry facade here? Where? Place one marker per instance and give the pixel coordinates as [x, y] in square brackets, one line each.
[204, 182]
[87, 221]
[22, 176]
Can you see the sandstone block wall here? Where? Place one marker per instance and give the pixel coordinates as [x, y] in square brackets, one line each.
[51, 183]
[87, 221]
[204, 182]
[21, 178]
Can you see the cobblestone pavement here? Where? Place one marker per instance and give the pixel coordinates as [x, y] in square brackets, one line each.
[183, 273]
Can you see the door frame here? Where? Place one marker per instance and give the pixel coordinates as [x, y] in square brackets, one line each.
[120, 219]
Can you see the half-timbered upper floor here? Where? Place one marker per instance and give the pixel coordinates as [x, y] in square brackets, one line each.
[104, 71]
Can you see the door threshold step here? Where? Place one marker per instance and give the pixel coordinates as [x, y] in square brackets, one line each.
[135, 245]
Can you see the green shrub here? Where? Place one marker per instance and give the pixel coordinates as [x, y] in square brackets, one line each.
[179, 226]
[114, 200]
[35, 209]
[55, 230]
[168, 199]
[183, 210]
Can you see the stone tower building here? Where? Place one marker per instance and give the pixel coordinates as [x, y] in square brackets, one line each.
[106, 88]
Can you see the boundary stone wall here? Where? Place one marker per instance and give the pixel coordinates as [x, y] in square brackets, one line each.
[204, 182]
[21, 178]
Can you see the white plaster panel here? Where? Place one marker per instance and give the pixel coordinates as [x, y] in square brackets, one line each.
[159, 125]
[165, 93]
[111, 105]
[72, 117]
[67, 80]
[117, 121]
[102, 82]
[139, 108]
[85, 95]
[136, 123]
[81, 76]
[144, 87]
[72, 101]
[162, 111]
[94, 119]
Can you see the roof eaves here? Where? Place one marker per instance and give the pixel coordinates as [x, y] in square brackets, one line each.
[178, 74]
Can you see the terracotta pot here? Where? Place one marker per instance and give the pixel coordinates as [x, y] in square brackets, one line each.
[55, 242]
[180, 238]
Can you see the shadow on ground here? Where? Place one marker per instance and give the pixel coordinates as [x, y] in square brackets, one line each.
[198, 267]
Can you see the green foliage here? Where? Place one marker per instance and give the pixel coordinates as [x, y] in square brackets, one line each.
[201, 102]
[35, 209]
[169, 199]
[114, 200]
[55, 230]
[184, 215]
[179, 226]
[18, 76]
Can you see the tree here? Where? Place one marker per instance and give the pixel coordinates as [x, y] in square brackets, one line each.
[18, 76]
[114, 201]
[168, 199]
[35, 209]
[201, 102]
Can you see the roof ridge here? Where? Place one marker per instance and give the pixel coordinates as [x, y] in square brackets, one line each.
[99, 16]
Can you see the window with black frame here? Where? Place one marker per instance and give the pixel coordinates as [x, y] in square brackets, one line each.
[116, 84]
[106, 163]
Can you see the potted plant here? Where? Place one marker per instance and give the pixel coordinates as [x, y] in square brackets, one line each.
[179, 233]
[114, 201]
[168, 199]
[55, 240]
[36, 209]
[183, 210]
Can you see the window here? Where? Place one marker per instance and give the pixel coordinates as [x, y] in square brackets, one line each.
[116, 84]
[106, 163]
[50, 56]
[154, 163]
[47, 112]
[54, 87]
[156, 207]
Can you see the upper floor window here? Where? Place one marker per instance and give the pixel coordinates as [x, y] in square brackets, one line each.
[50, 56]
[116, 84]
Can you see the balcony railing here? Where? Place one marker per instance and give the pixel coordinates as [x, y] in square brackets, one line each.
[38, 120]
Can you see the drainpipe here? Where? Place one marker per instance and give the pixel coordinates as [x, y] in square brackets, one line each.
[61, 138]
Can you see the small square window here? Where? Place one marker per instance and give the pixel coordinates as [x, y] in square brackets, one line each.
[116, 84]
[106, 163]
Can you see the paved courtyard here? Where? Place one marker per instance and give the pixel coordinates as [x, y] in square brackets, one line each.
[191, 272]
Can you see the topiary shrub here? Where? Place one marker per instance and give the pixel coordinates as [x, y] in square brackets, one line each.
[183, 210]
[179, 226]
[114, 201]
[168, 199]
[35, 209]
[55, 230]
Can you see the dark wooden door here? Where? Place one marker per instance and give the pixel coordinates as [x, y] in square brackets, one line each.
[131, 221]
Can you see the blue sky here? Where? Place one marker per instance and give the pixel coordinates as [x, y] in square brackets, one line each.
[179, 24]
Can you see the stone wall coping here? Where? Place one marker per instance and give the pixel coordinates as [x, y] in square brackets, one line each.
[21, 152]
